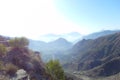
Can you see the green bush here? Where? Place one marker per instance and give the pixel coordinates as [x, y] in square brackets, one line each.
[55, 69]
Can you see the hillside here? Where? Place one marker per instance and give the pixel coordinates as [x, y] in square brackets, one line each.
[99, 56]
[27, 60]
[18, 62]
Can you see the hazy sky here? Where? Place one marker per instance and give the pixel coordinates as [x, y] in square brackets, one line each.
[32, 18]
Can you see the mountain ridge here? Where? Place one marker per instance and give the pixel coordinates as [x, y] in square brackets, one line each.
[71, 37]
[94, 53]
[100, 34]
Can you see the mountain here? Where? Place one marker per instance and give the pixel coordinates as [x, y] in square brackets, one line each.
[59, 44]
[51, 49]
[100, 34]
[96, 57]
[73, 36]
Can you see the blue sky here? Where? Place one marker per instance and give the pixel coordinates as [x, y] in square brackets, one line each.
[94, 14]
[33, 18]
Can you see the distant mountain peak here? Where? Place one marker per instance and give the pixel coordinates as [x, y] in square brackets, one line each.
[100, 34]
[61, 39]
[73, 36]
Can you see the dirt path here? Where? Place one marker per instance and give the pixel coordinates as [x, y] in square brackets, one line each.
[78, 76]
[83, 77]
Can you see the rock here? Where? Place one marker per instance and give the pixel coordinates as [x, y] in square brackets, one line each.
[21, 74]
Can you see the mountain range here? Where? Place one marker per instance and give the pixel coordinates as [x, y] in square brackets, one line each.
[99, 34]
[71, 37]
[96, 57]
[74, 36]
[59, 44]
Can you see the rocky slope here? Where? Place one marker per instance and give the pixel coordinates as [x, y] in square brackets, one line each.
[29, 61]
[99, 57]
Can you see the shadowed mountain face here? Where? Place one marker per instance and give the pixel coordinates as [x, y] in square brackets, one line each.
[98, 55]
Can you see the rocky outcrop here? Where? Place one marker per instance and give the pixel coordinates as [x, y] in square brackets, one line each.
[28, 61]
[21, 74]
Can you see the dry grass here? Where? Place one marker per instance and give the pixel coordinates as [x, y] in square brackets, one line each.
[3, 77]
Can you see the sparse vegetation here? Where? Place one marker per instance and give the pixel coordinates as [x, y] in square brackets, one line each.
[19, 42]
[3, 50]
[10, 69]
[1, 65]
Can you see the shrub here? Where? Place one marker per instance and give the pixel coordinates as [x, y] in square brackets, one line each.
[19, 42]
[55, 69]
[3, 50]
[1, 65]
[11, 69]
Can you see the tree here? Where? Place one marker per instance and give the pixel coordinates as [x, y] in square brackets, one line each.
[19, 42]
[55, 70]
[3, 50]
